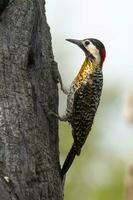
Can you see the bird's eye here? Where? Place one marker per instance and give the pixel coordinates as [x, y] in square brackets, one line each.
[87, 42]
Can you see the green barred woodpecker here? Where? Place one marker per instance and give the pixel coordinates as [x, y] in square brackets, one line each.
[84, 96]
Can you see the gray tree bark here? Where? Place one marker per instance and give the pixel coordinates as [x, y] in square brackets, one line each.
[29, 154]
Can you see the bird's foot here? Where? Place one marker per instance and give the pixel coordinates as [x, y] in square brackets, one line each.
[61, 118]
[57, 77]
[64, 90]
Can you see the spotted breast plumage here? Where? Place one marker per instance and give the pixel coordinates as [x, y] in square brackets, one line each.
[84, 96]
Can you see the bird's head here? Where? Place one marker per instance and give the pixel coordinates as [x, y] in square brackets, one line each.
[93, 49]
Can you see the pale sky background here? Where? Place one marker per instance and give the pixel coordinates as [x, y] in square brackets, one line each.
[112, 22]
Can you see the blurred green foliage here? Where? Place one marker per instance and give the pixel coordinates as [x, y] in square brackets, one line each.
[96, 174]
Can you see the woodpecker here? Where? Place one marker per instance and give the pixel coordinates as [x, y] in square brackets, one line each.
[84, 96]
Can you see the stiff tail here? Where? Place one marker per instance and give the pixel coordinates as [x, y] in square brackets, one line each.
[69, 160]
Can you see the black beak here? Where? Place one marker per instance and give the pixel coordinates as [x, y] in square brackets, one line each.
[77, 42]
[80, 44]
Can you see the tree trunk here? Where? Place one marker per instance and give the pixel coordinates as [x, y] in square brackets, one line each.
[29, 154]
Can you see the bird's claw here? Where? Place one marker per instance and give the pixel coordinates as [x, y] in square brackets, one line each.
[64, 90]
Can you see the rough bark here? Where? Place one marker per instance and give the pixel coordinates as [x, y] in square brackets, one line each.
[29, 154]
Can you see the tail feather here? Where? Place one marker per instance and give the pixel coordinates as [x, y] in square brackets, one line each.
[69, 160]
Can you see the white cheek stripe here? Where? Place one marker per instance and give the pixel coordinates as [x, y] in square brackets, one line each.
[94, 51]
